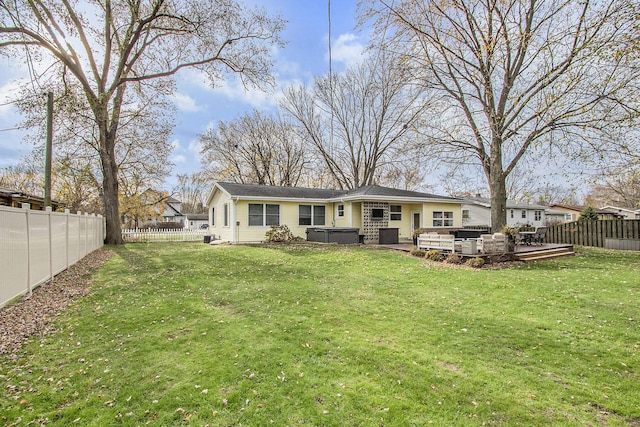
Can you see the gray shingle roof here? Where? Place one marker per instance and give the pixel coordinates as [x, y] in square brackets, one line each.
[255, 190]
[376, 190]
[372, 191]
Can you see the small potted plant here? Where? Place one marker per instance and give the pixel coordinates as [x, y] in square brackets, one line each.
[416, 233]
[511, 233]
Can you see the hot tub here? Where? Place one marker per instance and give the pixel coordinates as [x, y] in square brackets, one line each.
[333, 234]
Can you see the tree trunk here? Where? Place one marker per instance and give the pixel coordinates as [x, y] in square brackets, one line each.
[498, 188]
[110, 192]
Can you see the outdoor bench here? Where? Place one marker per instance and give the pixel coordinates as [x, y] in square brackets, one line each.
[439, 242]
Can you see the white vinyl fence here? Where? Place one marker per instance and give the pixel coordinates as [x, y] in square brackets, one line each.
[177, 235]
[37, 245]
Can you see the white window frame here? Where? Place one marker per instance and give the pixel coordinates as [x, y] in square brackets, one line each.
[442, 218]
[340, 209]
[395, 215]
[264, 214]
[523, 215]
[225, 208]
[537, 215]
[313, 215]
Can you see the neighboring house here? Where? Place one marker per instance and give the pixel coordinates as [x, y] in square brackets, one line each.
[476, 211]
[245, 212]
[196, 221]
[614, 212]
[572, 213]
[554, 216]
[171, 210]
[15, 199]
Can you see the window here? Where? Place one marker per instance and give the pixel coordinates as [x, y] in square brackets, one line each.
[524, 214]
[263, 214]
[511, 212]
[226, 214]
[465, 214]
[311, 215]
[213, 217]
[443, 219]
[377, 213]
[537, 215]
[395, 213]
[340, 210]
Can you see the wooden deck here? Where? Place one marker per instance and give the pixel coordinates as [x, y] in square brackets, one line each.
[522, 252]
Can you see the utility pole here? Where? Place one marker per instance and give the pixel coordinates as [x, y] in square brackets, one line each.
[48, 149]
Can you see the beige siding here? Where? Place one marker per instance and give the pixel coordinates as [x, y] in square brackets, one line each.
[288, 216]
[429, 208]
[356, 215]
[218, 228]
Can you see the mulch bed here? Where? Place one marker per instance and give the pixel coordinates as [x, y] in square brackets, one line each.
[32, 315]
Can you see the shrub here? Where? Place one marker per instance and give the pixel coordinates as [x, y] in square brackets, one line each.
[588, 214]
[475, 262]
[417, 252]
[433, 255]
[453, 259]
[279, 234]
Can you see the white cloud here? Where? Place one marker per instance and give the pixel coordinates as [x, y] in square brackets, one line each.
[178, 158]
[185, 103]
[175, 145]
[347, 49]
[195, 146]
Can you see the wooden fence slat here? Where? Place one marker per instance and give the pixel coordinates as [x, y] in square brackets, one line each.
[594, 232]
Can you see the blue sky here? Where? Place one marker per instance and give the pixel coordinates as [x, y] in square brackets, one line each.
[199, 106]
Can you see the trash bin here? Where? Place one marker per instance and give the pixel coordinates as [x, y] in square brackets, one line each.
[388, 236]
[207, 238]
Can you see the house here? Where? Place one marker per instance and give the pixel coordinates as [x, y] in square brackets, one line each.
[476, 211]
[245, 212]
[171, 210]
[196, 221]
[14, 198]
[554, 216]
[572, 213]
[615, 212]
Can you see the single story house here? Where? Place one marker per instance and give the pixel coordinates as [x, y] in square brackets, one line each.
[615, 212]
[15, 199]
[245, 212]
[476, 211]
[572, 213]
[196, 221]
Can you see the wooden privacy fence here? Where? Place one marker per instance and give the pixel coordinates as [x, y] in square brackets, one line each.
[37, 245]
[173, 235]
[594, 233]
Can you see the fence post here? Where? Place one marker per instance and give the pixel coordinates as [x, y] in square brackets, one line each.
[66, 243]
[49, 214]
[27, 209]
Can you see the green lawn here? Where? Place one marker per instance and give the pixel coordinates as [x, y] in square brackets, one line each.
[192, 334]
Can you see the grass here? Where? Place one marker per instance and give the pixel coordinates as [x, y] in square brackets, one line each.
[191, 334]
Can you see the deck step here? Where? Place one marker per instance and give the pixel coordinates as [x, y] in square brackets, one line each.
[545, 254]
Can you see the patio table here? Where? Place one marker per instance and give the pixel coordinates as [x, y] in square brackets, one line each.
[526, 237]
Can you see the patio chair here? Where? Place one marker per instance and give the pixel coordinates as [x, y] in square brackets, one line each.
[486, 244]
[538, 237]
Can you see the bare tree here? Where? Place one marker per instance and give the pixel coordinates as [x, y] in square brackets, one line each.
[255, 148]
[360, 122]
[508, 76]
[106, 45]
[141, 153]
[619, 187]
[192, 190]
